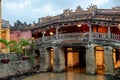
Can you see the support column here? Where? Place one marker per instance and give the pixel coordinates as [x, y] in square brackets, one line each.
[57, 28]
[43, 35]
[109, 63]
[8, 35]
[90, 60]
[0, 20]
[57, 31]
[90, 31]
[109, 32]
[59, 59]
[44, 59]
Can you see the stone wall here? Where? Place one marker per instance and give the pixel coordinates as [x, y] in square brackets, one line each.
[14, 68]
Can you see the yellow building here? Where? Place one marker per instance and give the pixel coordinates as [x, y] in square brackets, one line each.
[4, 30]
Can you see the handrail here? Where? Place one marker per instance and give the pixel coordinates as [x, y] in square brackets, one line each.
[99, 35]
[73, 36]
[80, 36]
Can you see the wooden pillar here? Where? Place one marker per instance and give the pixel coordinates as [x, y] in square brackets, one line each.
[109, 32]
[0, 13]
[8, 35]
[57, 31]
[43, 35]
[0, 19]
[90, 31]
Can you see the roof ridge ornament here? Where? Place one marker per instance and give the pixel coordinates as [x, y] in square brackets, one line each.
[116, 8]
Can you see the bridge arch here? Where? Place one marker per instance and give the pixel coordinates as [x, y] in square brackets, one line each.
[99, 59]
[50, 56]
[116, 57]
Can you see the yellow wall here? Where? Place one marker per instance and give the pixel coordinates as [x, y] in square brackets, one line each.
[73, 59]
[99, 58]
[52, 57]
[70, 59]
[116, 63]
[6, 30]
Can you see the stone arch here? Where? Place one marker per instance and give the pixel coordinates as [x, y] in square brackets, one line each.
[116, 57]
[58, 62]
[45, 64]
[50, 56]
[99, 59]
[75, 58]
[36, 60]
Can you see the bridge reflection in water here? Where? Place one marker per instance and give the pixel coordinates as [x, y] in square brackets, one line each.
[72, 74]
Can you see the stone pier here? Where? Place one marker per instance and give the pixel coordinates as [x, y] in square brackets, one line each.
[59, 59]
[44, 59]
[109, 63]
[90, 60]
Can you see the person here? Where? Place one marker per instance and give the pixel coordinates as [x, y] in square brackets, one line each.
[37, 60]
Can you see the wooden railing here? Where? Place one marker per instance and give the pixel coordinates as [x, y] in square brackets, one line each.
[104, 36]
[47, 38]
[115, 37]
[73, 36]
[80, 37]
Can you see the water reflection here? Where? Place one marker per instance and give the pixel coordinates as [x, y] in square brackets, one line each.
[70, 75]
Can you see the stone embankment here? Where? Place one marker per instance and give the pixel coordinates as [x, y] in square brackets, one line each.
[14, 66]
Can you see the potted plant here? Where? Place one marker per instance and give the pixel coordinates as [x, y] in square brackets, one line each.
[25, 44]
[17, 48]
[7, 46]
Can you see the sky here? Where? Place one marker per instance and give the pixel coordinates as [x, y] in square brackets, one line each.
[31, 10]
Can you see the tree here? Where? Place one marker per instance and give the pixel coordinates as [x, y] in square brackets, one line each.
[7, 44]
[25, 44]
[16, 47]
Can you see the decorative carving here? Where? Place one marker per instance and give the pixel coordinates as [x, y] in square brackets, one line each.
[92, 8]
[67, 12]
[116, 8]
[18, 25]
[79, 9]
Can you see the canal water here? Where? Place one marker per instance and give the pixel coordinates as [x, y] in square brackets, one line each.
[68, 75]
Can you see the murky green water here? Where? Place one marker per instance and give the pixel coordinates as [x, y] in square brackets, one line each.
[64, 76]
[70, 75]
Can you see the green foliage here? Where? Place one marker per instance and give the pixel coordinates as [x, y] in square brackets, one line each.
[33, 46]
[16, 47]
[25, 44]
[8, 44]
